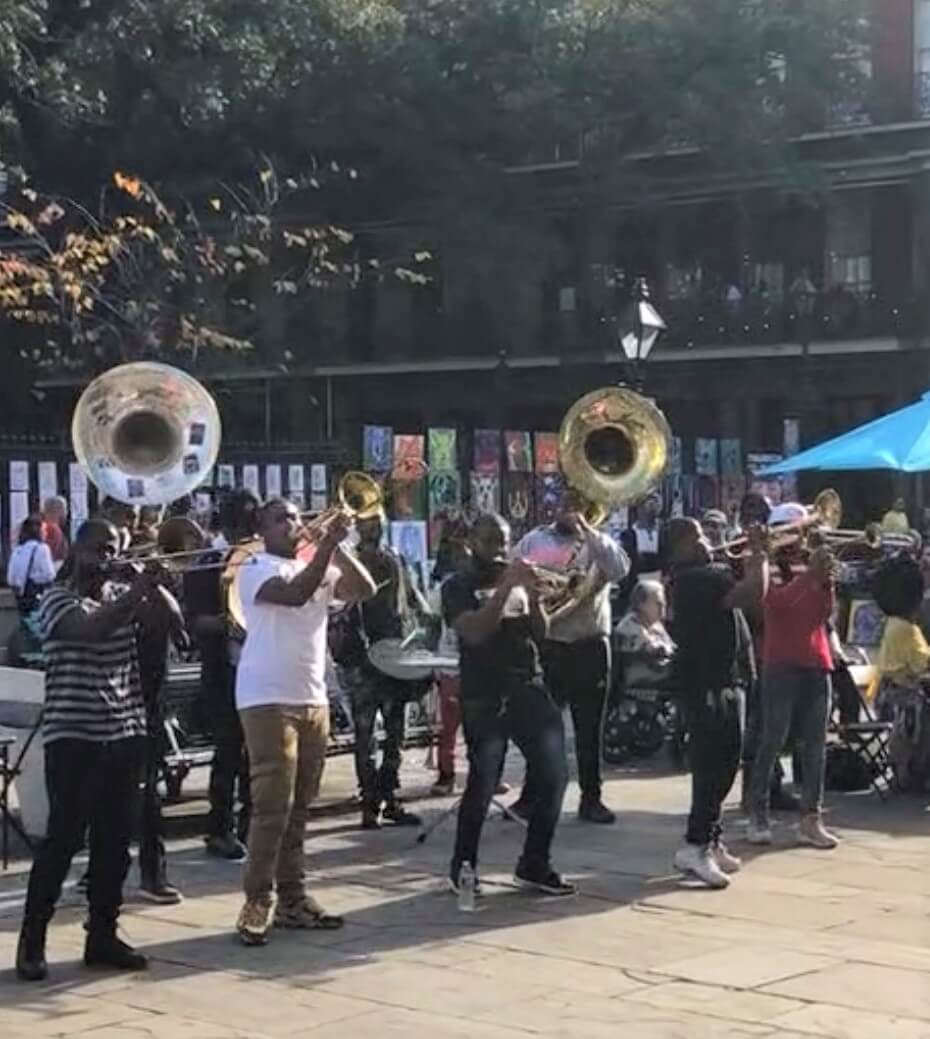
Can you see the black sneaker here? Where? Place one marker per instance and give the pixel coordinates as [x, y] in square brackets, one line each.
[226, 846]
[161, 893]
[30, 952]
[398, 815]
[545, 881]
[106, 950]
[371, 820]
[596, 812]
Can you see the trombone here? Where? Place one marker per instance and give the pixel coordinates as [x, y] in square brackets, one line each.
[826, 513]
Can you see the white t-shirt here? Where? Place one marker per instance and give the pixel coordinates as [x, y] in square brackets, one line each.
[31, 561]
[283, 659]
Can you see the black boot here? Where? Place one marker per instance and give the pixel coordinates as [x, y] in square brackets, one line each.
[104, 949]
[30, 951]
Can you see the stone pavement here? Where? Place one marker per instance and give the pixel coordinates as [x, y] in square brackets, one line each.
[804, 943]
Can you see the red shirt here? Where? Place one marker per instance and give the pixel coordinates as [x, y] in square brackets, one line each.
[57, 542]
[795, 617]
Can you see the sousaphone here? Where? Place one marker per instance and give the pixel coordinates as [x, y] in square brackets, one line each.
[613, 451]
[146, 433]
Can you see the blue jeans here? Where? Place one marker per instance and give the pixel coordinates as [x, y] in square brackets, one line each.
[804, 693]
[534, 723]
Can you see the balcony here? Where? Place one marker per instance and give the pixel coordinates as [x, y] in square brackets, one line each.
[836, 316]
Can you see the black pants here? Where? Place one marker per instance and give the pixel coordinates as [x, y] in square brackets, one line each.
[370, 693]
[152, 857]
[229, 773]
[578, 676]
[534, 724]
[90, 786]
[715, 723]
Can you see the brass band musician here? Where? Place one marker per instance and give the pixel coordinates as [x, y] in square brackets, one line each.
[576, 652]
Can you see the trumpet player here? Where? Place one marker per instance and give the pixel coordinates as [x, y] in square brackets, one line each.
[576, 652]
[282, 701]
[712, 669]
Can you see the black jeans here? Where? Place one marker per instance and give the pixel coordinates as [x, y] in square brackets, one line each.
[90, 786]
[715, 724]
[534, 723]
[370, 693]
[578, 676]
[229, 772]
[152, 858]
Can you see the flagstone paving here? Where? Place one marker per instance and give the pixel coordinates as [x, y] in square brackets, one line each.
[804, 943]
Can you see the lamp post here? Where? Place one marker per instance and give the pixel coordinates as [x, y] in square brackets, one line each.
[804, 300]
[641, 328]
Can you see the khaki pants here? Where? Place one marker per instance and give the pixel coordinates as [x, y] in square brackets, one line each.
[287, 751]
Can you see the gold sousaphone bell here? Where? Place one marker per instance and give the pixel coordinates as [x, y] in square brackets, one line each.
[613, 449]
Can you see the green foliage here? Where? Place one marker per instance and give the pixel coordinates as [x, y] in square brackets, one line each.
[431, 101]
[142, 277]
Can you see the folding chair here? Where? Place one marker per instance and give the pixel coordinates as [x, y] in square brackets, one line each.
[868, 738]
[8, 773]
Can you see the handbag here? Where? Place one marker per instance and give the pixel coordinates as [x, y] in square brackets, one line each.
[28, 598]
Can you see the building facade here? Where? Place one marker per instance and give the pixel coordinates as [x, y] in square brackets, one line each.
[795, 302]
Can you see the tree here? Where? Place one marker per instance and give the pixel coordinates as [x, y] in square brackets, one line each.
[432, 101]
[142, 278]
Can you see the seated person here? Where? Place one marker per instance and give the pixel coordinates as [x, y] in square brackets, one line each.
[904, 655]
[641, 639]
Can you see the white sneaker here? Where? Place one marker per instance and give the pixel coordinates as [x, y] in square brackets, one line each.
[812, 832]
[724, 858]
[758, 833]
[699, 861]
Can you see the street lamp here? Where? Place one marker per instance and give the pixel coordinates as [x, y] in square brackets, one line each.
[804, 297]
[640, 330]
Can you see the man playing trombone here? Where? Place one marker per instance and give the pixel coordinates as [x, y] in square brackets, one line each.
[282, 701]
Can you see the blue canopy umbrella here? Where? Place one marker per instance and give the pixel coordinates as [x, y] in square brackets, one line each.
[899, 441]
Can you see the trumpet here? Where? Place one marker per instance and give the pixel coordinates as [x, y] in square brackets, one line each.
[359, 497]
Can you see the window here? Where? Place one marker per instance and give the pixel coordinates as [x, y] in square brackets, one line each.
[768, 279]
[854, 74]
[683, 282]
[849, 242]
[922, 55]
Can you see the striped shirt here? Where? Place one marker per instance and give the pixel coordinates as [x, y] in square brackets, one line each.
[92, 690]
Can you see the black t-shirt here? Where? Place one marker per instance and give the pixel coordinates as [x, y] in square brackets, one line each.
[509, 660]
[714, 646]
[380, 614]
[202, 589]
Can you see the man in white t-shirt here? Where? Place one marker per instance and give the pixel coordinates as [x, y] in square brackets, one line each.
[282, 702]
